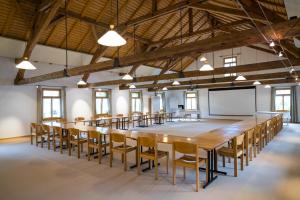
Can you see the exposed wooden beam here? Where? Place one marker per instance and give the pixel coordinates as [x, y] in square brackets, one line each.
[43, 22]
[290, 48]
[233, 84]
[253, 77]
[227, 11]
[196, 73]
[191, 24]
[262, 49]
[154, 6]
[283, 30]
[45, 4]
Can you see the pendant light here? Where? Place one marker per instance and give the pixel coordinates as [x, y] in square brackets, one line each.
[165, 89]
[267, 86]
[175, 83]
[240, 77]
[81, 83]
[66, 73]
[112, 38]
[206, 66]
[257, 83]
[280, 54]
[203, 59]
[272, 44]
[132, 86]
[127, 77]
[25, 64]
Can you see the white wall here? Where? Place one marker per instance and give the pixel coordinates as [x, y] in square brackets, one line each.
[78, 103]
[17, 110]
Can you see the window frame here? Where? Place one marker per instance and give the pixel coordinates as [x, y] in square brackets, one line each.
[132, 99]
[224, 63]
[108, 97]
[51, 99]
[162, 101]
[282, 96]
[187, 99]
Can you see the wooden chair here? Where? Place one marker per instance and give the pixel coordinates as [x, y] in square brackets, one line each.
[95, 141]
[263, 134]
[48, 135]
[32, 132]
[190, 159]
[235, 151]
[75, 139]
[249, 141]
[79, 119]
[151, 154]
[121, 148]
[39, 133]
[58, 134]
[257, 139]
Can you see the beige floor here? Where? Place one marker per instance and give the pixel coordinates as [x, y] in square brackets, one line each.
[28, 172]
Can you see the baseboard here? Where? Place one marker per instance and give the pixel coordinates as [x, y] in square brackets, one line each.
[17, 137]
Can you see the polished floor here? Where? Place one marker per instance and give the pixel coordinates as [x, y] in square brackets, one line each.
[28, 172]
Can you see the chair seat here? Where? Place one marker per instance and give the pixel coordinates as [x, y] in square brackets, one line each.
[225, 151]
[123, 148]
[188, 161]
[151, 153]
[95, 145]
[81, 140]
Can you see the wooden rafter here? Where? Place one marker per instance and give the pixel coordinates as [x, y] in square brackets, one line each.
[286, 29]
[41, 24]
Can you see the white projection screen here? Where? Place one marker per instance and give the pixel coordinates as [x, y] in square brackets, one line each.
[232, 101]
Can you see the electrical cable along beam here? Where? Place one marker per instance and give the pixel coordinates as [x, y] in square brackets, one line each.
[287, 29]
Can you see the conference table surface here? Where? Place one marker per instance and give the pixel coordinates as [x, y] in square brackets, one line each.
[208, 140]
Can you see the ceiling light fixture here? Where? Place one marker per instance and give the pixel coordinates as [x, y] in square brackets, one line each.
[25, 64]
[203, 59]
[165, 89]
[127, 77]
[292, 70]
[132, 86]
[175, 83]
[267, 86]
[272, 44]
[112, 38]
[280, 54]
[257, 83]
[240, 78]
[206, 67]
[81, 83]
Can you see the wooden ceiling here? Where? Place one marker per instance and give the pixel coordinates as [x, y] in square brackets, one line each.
[157, 24]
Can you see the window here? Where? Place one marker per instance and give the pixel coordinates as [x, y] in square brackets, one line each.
[230, 62]
[52, 106]
[161, 101]
[102, 102]
[191, 100]
[282, 99]
[136, 101]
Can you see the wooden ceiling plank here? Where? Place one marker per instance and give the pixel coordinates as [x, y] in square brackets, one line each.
[284, 30]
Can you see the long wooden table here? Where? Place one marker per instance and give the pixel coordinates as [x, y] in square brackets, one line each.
[208, 141]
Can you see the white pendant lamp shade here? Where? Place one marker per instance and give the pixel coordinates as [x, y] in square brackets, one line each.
[165, 89]
[203, 59]
[111, 38]
[267, 86]
[127, 77]
[280, 54]
[256, 83]
[175, 83]
[272, 44]
[25, 64]
[132, 87]
[240, 78]
[81, 82]
[206, 67]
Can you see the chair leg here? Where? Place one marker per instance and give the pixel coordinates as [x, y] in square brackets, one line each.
[251, 152]
[247, 156]
[174, 173]
[53, 144]
[60, 146]
[48, 142]
[69, 147]
[197, 178]
[254, 150]
[156, 168]
[235, 166]
[100, 153]
[110, 158]
[223, 159]
[184, 172]
[81, 147]
[89, 153]
[78, 150]
[242, 161]
[167, 164]
[42, 141]
[36, 140]
[138, 164]
[125, 161]
[31, 139]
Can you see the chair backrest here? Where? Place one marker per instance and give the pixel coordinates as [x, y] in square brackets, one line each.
[73, 132]
[79, 119]
[250, 134]
[46, 128]
[117, 137]
[185, 147]
[147, 141]
[238, 142]
[257, 130]
[57, 130]
[93, 137]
